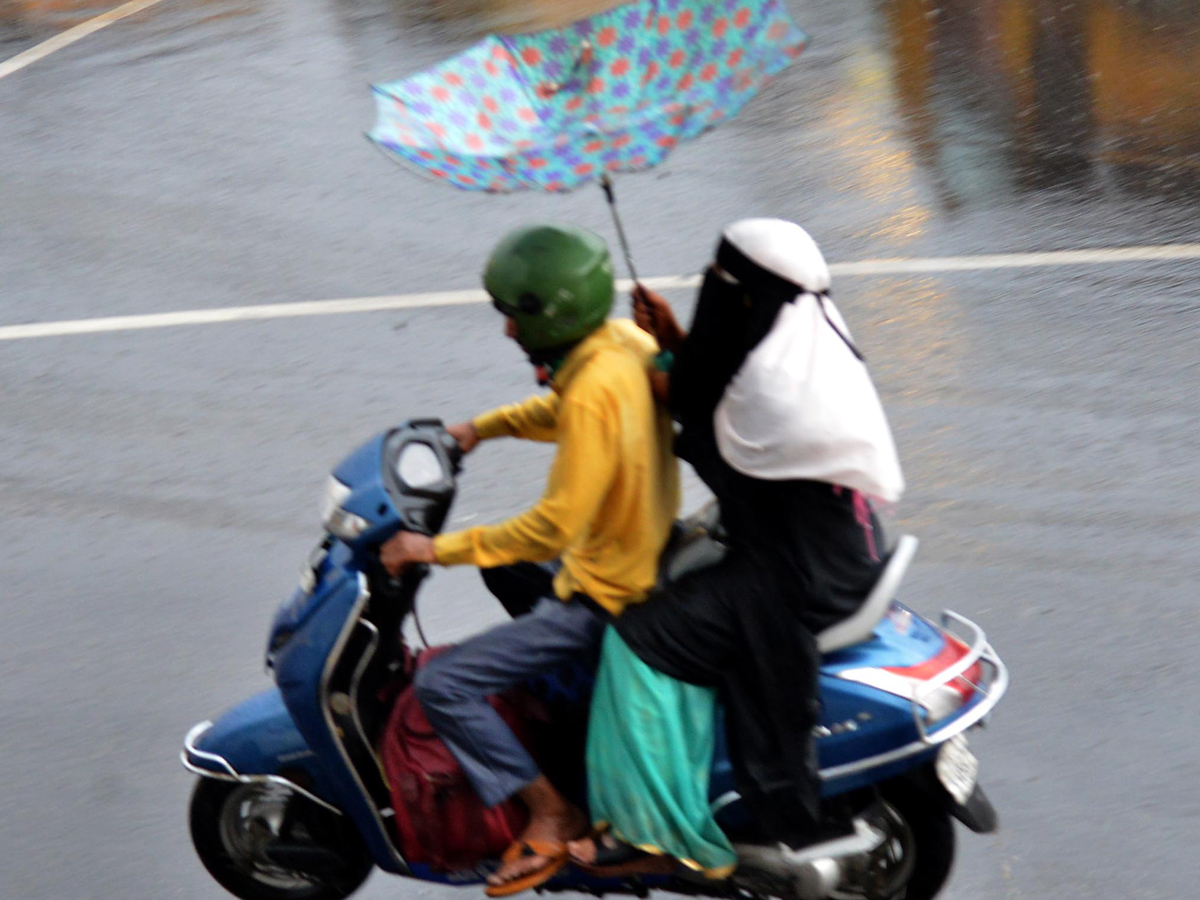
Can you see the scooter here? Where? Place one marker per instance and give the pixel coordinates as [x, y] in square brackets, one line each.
[291, 802]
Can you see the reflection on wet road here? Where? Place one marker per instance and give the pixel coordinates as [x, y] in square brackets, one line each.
[26, 19]
[995, 94]
[1015, 94]
[157, 486]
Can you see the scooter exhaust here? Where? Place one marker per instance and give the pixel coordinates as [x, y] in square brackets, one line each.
[810, 873]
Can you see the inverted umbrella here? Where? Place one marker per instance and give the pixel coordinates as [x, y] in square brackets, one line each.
[616, 92]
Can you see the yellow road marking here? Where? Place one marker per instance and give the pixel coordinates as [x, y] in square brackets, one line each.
[71, 35]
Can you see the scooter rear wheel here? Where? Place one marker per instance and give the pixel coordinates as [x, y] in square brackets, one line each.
[261, 841]
[932, 838]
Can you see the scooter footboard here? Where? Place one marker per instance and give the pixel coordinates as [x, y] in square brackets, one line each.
[256, 741]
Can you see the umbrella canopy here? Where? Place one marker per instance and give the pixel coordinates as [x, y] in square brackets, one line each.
[616, 92]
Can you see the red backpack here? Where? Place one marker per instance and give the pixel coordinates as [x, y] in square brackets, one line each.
[440, 819]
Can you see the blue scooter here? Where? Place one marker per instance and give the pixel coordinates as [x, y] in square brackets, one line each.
[291, 803]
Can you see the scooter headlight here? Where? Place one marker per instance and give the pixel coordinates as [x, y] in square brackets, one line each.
[345, 525]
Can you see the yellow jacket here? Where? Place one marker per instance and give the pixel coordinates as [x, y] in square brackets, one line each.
[613, 489]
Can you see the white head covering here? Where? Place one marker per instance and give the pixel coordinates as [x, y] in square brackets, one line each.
[782, 248]
[802, 406]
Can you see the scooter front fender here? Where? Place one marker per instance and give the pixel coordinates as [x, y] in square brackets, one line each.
[977, 813]
[256, 741]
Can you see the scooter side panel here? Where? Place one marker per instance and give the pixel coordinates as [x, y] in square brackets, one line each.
[326, 573]
[258, 737]
[858, 723]
[860, 726]
[299, 671]
[864, 723]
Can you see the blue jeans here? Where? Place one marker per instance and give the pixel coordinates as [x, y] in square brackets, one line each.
[453, 689]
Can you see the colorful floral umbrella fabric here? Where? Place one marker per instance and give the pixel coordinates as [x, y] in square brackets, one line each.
[614, 93]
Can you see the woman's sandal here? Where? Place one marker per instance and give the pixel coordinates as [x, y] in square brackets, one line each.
[615, 858]
[555, 853]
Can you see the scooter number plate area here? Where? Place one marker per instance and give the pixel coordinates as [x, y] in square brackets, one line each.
[957, 768]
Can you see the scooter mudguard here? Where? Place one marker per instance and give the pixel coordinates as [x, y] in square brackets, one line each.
[257, 737]
[977, 813]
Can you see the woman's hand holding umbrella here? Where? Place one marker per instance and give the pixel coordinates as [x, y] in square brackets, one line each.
[653, 314]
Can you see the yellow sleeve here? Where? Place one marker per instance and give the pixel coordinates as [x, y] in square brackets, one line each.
[579, 479]
[534, 419]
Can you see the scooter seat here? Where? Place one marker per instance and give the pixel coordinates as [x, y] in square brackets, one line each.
[695, 543]
[861, 625]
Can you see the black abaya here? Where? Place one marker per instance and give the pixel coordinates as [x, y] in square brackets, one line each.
[802, 557]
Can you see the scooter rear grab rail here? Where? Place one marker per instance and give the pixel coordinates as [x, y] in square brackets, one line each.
[231, 774]
[980, 651]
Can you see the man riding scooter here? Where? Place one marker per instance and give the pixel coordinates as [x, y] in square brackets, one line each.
[610, 500]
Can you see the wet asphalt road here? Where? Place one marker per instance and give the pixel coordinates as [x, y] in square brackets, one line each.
[158, 489]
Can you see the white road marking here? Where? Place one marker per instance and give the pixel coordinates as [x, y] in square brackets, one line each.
[1101, 256]
[1163, 253]
[71, 35]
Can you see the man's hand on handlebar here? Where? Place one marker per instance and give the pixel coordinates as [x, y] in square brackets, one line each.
[465, 434]
[404, 550]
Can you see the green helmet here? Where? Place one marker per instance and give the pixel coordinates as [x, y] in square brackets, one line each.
[556, 281]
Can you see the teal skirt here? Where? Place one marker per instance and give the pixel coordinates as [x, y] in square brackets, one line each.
[649, 755]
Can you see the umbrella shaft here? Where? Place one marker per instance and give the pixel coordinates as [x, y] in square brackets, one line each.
[610, 194]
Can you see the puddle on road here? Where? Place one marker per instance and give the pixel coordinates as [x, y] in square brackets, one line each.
[1045, 92]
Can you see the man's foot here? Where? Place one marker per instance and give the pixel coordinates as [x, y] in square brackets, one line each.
[539, 853]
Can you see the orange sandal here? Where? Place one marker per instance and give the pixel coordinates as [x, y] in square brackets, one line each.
[555, 853]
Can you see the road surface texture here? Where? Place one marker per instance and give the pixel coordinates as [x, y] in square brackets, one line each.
[158, 488]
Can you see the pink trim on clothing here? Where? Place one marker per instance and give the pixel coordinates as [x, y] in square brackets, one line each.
[862, 515]
[862, 512]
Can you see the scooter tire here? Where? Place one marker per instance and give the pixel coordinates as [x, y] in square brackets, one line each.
[211, 803]
[933, 836]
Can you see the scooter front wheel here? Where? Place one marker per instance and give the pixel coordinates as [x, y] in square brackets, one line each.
[261, 841]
